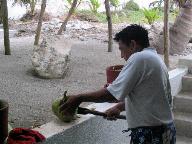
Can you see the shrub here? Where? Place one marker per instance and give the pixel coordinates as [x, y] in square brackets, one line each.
[94, 5]
[131, 5]
[151, 15]
[115, 3]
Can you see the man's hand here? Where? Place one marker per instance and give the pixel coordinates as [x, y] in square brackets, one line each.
[74, 101]
[112, 113]
[69, 107]
[115, 111]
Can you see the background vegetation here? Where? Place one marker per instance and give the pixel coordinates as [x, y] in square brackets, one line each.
[131, 12]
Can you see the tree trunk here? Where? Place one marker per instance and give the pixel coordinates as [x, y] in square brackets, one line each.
[71, 11]
[38, 31]
[166, 32]
[0, 12]
[32, 6]
[180, 31]
[108, 14]
[6, 27]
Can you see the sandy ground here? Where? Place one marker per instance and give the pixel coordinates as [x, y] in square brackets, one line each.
[30, 97]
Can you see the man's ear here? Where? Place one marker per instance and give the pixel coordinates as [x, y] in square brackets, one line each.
[133, 44]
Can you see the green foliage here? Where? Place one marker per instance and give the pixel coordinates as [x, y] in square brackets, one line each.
[94, 5]
[135, 17]
[21, 2]
[120, 16]
[159, 4]
[175, 12]
[87, 15]
[131, 5]
[151, 15]
[115, 3]
[156, 4]
[70, 2]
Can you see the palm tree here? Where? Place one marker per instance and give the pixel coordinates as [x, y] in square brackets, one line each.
[0, 13]
[32, 6]
[5, 27]
[71, 11]
[109, 19]
[180, 31]
[166, 32]
[38, 31]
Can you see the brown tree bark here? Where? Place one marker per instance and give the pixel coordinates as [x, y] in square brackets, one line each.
[0, 12]
[108, 14]
[166, 32]
[32, 6]
[38, 31]
[180, 31]
[6, 27]
[71, 11]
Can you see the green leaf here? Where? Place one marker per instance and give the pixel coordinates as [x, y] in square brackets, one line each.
[115, 3]
[151, 15]
[94, 5]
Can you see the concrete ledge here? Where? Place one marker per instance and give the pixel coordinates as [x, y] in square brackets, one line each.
[89, 129]
[175, 77]
[186, 62]
[94, 131]
[56, 127]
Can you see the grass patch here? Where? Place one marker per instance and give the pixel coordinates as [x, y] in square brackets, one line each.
[135, 17]
[119, 17]
[87, 15]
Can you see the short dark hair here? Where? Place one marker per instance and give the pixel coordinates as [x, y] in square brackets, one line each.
[133, 32]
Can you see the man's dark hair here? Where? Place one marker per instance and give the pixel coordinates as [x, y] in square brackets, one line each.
[133, 32]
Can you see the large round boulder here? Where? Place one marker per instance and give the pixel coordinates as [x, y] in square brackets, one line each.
[50, 58]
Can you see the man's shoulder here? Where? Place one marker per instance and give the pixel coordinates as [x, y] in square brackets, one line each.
[147, 53]
[147, 56]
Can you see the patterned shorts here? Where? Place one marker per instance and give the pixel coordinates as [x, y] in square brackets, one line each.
[165, 134]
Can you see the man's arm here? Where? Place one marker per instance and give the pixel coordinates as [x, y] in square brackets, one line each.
[115, 111]
[75, 100]
[121, 106]
[102, 95]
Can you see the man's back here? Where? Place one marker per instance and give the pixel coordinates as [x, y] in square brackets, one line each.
[145, 85]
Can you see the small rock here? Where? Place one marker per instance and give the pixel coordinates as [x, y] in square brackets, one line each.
[81, 38]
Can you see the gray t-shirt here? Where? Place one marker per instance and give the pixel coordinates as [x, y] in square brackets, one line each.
[144, 84]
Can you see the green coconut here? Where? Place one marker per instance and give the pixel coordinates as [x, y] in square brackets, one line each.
[60, 115]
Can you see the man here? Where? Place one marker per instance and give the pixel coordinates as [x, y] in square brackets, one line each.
[142, 89]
